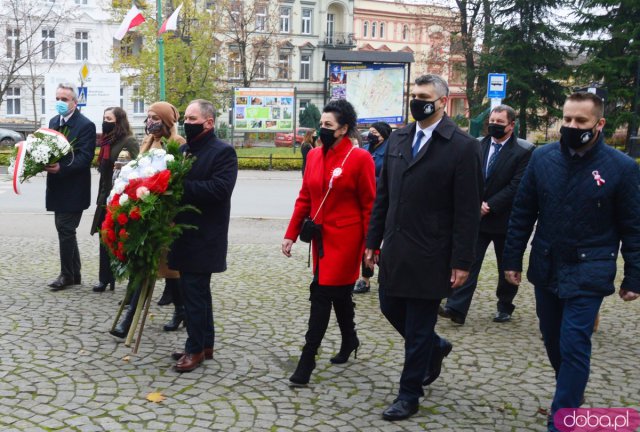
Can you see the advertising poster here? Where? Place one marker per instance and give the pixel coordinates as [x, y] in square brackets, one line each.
[375, 91]
[263, 109]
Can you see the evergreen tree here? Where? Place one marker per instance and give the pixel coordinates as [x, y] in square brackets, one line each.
[310, 117]
[611, 42]
[528, 48]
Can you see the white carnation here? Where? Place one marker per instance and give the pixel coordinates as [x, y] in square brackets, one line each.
[119, 185]
[123, 199]
[148, 171]
[169, 158]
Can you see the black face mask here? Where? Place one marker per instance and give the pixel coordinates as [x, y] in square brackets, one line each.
[192, 130]
[421, 110]
[327, 137]
[153, 128]
[576, 137]
[107, 127]
[496, 130]
[372, 139]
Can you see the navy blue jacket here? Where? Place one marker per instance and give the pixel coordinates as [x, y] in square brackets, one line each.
[378, 156]
[208, 186]
[580, 224]
[69, 190]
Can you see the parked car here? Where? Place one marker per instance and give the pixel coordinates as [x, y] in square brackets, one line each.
[285, 139]
[9, 137]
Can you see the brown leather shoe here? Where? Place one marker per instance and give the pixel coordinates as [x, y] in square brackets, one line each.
[189, 362]
[208, 354]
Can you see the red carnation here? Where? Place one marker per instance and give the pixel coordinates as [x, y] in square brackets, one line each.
[122, 219]
[135, 213]
[123, 234]
[115, 201]
[119, 255]
[111, 236]
[120, 247]
[132, 187]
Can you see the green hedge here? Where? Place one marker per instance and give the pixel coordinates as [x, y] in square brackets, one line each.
[276, 164]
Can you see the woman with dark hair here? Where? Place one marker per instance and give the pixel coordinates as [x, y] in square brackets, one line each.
[116, 138]
[308, 142]
[337, 194]
[376, 145]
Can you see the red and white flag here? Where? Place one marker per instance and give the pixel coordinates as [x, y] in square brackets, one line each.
[132, 19]
[171, 23]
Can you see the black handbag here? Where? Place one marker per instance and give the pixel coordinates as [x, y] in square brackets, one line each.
[309, 230]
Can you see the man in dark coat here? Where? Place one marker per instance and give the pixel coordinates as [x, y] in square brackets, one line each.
[427, 211]
[197, 253]
[585, 197]
[505, 157]
[69, 182]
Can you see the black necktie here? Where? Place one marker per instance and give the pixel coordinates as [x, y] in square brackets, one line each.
[493, 158]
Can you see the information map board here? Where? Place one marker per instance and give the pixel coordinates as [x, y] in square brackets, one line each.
[263, 109]
[376, 91]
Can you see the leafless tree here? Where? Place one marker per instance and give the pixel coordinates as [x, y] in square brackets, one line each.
[31, 43]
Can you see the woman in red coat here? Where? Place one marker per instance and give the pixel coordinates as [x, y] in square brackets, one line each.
[338, 190]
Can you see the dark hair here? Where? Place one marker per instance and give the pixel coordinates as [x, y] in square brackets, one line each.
[383, 129]
[511, 113]
[122, 129]
[598, 105]
[440, 85]
[344, 112]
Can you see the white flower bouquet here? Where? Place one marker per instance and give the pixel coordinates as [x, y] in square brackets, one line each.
[43, 147]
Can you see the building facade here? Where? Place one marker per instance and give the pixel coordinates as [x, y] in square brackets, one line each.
[297, 32]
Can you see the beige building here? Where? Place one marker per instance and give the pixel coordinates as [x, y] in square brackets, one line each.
[424, 31]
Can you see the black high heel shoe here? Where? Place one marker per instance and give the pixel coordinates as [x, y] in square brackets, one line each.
[345, 352]
[102, 286]
[176, 320]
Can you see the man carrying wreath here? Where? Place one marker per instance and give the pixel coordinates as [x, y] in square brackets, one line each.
[69, 182]
[197, 253]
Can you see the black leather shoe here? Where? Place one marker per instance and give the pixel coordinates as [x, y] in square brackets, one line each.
[361, 287]
[400, 410]
[60, 283]
[101, 286]
[436, 362]
[501, 317]
[77, 280]
[454, 316]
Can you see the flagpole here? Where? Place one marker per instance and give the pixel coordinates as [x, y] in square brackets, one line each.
[160, 50]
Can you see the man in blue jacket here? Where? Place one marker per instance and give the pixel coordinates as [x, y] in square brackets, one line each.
[585, 197]
[197, 253]
[69, 182]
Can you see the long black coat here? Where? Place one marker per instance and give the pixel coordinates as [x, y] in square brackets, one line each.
[208, 187]
[501, 186]
[105, 184]
[427, 211]
[69, 190]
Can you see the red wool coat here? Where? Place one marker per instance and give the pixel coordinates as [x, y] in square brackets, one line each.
[345, 214]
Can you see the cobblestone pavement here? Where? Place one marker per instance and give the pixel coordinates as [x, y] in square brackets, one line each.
[61, 370]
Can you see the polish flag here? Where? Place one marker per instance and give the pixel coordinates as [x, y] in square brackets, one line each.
[132, 19]
[170, 23]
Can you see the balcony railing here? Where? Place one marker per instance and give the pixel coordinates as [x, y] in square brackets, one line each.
[338, 40]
